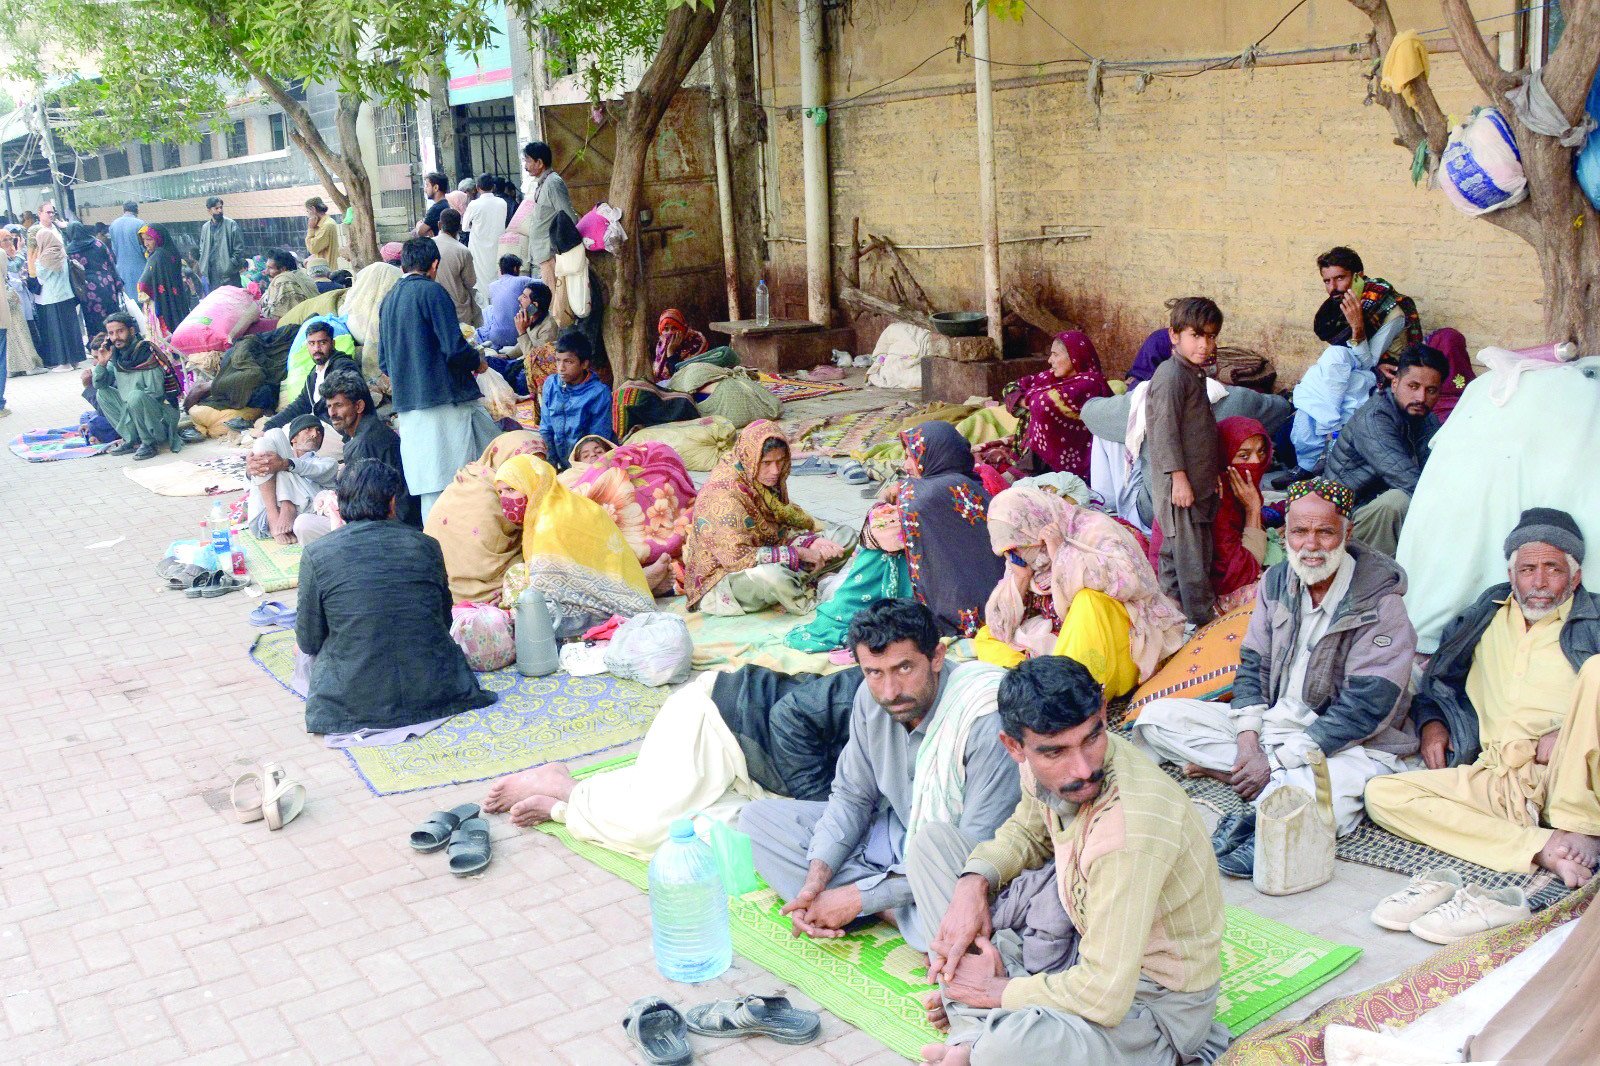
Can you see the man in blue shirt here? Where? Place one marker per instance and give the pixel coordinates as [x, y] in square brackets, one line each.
[126, 248]
[431, 368]
[574, 403]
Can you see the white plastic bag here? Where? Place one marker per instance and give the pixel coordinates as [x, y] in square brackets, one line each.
[1481, 170]
[653, 649]
[498, 397]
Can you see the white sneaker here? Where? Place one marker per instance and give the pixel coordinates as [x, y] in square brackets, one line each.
[1426, 891]
[1472, 910]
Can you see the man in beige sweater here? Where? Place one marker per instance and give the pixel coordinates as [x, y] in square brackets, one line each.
[1137, 975]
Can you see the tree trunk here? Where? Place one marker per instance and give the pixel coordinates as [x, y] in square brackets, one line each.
[1556, 219]
[332, 168]
[747, 139]
[688, 30]
[447, 156]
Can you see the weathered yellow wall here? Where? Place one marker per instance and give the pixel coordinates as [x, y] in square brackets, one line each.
[1228, 183]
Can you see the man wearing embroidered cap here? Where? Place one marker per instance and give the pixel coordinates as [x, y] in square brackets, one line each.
[1509, 714]
[1324, 665]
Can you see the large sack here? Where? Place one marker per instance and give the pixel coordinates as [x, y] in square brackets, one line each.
[1481, 170]
[653, 649]
[699, 443]
[741, 400]
[216, 322]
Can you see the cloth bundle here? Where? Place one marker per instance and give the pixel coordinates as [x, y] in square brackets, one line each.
[1482, 169]
[741, 400]
[1243, 368]
[219, 320]
[653, 649]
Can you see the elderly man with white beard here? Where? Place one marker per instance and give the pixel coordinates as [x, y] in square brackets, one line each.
[1509, 715]
[1324, 666]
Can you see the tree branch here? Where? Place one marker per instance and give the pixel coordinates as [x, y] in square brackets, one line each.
[1571, 67]
[327, 179]
[1427, 121]
[1482, 63]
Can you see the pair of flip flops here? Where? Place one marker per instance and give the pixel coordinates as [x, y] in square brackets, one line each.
[273, 613]
[214, 583]
[661, 1032]
[267, 794]
[461, 833]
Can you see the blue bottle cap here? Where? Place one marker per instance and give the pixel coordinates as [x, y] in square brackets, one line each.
[682, 829]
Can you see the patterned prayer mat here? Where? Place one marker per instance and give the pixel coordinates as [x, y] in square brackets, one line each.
[790, 390]
[873, 980]
[849, 432]
[51, 445]
[1372, 846]
[1409, 995]
[536, 720]
[273, 566]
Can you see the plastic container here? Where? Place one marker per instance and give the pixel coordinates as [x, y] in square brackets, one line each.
[221, 546]
[537, 653]
[688, 909]
[763, 304]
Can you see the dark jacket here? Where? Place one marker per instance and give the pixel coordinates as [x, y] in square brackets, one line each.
[1442, 695]
[1359, 671]
[221, 251]
[791, 727]
[421, 348]
[1381, 448]
[304, 402]
[373, 439]
[374, 608]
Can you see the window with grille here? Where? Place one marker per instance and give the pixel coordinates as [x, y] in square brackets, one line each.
[147, 158]
[238, 143]
[280, 134]
[171, 159]
[116, 164]
[205, 148]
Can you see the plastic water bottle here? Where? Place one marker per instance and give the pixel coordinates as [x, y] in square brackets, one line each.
[688, 909]
[763, 304]
[221, 547]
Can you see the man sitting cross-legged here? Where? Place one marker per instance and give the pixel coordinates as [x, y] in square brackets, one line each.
[924, 747]
[1133, 885]
[1324, 665]
[278, 498]
[1510, 716]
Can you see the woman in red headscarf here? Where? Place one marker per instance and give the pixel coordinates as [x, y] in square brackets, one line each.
[1050, 404]
[1454, 346]
[1238, 538]
[675, 342]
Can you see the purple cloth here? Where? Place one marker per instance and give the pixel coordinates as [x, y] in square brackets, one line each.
[499, 329]
[1156, 349]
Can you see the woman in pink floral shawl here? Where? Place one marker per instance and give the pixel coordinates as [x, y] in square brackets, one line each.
[1076, 584]
[1050, 404]
[646, 490]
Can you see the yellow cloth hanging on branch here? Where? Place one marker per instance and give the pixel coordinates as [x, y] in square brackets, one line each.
[1406, 61]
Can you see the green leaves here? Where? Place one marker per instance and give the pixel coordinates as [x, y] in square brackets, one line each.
[601, 37]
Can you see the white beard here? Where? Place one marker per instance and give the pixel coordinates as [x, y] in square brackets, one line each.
[1534, 614]
[1315, 575]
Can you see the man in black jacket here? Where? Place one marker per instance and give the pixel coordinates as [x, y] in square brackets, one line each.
[1509, 711]
[374, 609]
[1380, 452]
[366, 436]
[325, 360]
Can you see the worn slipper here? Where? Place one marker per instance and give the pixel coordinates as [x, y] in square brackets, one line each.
[283, 798]
[221, 583]
[854, 473]
[759, 1015]
[184, 576]
[655, 1027]
[273, 613]
[469, 847]
[435, 832]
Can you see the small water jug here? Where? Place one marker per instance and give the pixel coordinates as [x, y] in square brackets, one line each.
[1295, 835]
[537, 653]
[688, 909]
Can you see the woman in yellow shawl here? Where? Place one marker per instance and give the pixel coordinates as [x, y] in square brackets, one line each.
[748, 547]
[479, 543]
[572, 551]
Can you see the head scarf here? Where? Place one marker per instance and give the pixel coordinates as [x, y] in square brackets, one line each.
[52, 252]
[575, 553]
[1156, 349]
[572, 456]
[539, 294]
[1096, 553]
[646, 490]
[390, 252]
[1454, 346]
[1051, 407]
[945, 513]
[288, 290]
[1343, 500]
[477, 540]
[673, 327]
[1232, 565]
[80, 238]
[735, 514]
[162, 280]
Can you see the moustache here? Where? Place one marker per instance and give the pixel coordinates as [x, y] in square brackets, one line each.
[1078, 786]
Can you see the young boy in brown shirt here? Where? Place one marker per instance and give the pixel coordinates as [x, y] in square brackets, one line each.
[1184, 464]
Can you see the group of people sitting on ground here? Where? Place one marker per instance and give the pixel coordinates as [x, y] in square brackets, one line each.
[1059, 881]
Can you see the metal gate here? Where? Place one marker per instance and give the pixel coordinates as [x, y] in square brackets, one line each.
[487, 141]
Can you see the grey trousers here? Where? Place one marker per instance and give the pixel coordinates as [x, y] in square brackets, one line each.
[1377, 522]
[1157, 1029]
[1186, 556]
[780, 833]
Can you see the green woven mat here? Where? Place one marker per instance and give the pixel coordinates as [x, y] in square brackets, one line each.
[273, 566]
[874, 981]
[536, 720]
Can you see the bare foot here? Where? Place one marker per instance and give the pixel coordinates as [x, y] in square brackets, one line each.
[533, 810]
[1194, 770]
[546, 780]
[947, 1054]
[1583, 848]
[933, 1005]
[1557, 857]
[659, 575]
[284, 538]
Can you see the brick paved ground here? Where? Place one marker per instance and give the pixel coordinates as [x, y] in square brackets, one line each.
[140, 923]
